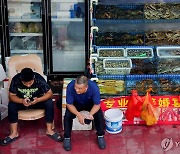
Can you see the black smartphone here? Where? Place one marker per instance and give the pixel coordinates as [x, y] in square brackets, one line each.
[87, 121]
[30, 100]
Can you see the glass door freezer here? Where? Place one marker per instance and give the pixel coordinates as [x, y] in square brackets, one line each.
[26, 27]
[68, 28]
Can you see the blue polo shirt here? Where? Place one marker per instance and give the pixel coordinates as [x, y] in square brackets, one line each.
[92, 95]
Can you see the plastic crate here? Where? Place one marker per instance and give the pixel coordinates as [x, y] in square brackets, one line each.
[141, 83]
[111, 52]
[169, 84]
[122, 66]
[139, 53]
[168, 52]
[168, 62]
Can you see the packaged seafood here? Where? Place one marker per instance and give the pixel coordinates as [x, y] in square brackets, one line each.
[122, 65]
[110, 52]
[139, 53]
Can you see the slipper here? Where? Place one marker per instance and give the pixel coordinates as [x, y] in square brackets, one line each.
[8, 140]
[56, 136]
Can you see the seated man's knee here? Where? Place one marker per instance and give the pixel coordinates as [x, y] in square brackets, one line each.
[68, 115]
[49, 103]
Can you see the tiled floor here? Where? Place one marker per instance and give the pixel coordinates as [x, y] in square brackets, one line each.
[132, 140]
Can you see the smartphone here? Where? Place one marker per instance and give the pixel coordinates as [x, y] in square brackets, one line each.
[30, 100]
[87, 121]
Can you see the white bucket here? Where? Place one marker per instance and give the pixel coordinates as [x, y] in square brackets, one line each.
[113, 119]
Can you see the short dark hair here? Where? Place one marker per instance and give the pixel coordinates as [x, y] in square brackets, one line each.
[27, 74]
[82, 80]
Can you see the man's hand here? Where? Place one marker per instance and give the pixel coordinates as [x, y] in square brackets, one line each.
[90, 117]
[81, 118]
[35, 100]
[26, 102]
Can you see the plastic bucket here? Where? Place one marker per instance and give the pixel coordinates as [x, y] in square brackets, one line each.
[113, 120]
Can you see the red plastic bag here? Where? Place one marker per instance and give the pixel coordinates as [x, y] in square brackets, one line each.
[134, 106]
[149, 113]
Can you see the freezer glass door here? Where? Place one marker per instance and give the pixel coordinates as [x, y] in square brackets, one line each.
[25, 27]
[68, 35]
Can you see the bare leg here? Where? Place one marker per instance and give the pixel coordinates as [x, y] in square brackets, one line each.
[14, 130]
[53, 135]
[49, 128]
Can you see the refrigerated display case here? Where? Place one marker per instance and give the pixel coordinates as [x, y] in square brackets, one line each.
[69, 31]
[26, 27]
[142, 29]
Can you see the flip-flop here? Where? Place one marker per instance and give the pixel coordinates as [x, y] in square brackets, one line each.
[8, 140]
[56, 136]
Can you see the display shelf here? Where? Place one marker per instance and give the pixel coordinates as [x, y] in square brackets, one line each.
[67, 20]
[26, 51]
[118, 2]
[24, 20]
[67, 1]
[26, 34]
[24, 0]
[133, 21]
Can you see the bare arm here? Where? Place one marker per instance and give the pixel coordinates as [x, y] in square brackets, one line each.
[73, 110]
[45, 97]
[94, 109]
[16, 99]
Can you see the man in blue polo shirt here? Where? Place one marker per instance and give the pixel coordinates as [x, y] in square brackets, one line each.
[83, 94]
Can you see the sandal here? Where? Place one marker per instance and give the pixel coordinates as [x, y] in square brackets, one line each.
[56, 136]
[8, 140]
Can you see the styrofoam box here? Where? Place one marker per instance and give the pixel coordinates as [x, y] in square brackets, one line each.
[141, 53]
[168, 52]
[3, 111]
[4, 96]
[76, 124]
[121, 50]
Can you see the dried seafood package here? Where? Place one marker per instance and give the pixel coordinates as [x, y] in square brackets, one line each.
[162, 11]
[119, 39]
[123, 66]
[111, 86]
[110, 52]
[168, 37]
[116, 67]
[119, 12]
